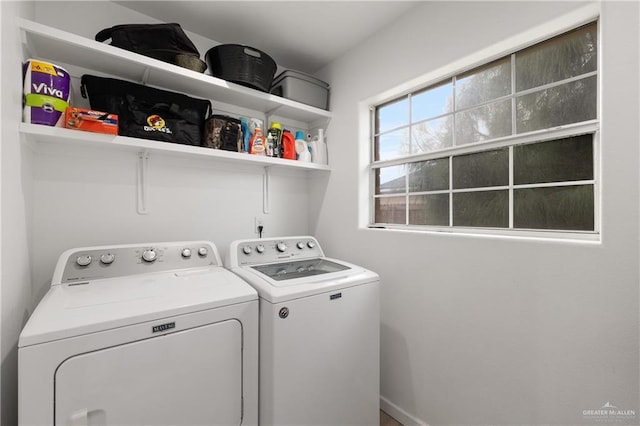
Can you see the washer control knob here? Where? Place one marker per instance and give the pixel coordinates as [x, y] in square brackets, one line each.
[202, 251]
[107, 258]
[300, 245]
[186, 253]
[281, 247]
[149, 255]
[84, 260]
[311, 244]
[260, 248]
[247, 249]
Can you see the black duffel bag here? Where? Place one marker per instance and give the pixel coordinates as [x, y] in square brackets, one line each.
[166, 42]
[148, 113]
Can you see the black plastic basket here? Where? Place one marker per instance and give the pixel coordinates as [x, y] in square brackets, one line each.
[242, 65]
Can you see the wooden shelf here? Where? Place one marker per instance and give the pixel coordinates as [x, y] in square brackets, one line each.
[37, 134]
[84, 55]
[64, 48]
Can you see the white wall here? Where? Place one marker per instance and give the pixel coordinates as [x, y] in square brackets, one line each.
[16, 213]
[55, 198]
[481, 330]
[88, 197]
[474, 329]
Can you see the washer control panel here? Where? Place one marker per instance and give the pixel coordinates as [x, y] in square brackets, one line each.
[251, 252]
[92, 263]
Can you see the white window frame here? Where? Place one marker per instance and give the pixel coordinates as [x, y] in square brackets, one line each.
[558, 26]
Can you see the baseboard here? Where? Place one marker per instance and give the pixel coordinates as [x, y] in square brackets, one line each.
[399, 414]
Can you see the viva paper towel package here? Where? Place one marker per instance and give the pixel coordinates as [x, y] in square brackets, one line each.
[46, 93]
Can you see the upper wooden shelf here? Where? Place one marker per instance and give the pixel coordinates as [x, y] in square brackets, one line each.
[64, 48]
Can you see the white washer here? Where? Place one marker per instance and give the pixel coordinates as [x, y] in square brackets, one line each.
[143, 334]
[319, 333]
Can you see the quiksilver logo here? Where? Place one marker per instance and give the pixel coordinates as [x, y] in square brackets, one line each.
[163, 327]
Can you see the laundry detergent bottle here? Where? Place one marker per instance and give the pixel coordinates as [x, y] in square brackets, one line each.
[302, 149]
[288, 145]
[274, 140]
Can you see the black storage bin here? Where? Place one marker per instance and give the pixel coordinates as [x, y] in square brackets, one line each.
[242, 65]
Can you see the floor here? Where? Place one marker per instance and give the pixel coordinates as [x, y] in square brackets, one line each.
[387, 420]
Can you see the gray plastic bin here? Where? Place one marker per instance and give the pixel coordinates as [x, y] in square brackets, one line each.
[301, 87]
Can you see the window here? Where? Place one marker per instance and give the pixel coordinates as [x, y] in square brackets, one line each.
[510, 144]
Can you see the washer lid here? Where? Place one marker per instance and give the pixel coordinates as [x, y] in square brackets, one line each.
[284, 271]
[74, 309]
[297, 286]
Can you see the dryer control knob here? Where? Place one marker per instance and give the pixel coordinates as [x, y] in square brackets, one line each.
[202, 251]
[149, 255]
[83, 260]
[107, 258]
[247, 249]
[186, 253]
[281, 247]
[311, 244]
[260, 248]
[300, 245]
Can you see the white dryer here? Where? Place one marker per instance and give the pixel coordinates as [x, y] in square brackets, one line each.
[144, 334]
[319, 333]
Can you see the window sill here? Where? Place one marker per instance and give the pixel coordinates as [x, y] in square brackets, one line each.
[550, 236]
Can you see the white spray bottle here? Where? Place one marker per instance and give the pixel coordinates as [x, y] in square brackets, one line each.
[302, 149]
[318, 148]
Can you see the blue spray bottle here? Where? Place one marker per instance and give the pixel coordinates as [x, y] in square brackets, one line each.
[246, 133]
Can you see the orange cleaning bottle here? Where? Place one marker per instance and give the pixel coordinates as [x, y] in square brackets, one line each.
[257, 143]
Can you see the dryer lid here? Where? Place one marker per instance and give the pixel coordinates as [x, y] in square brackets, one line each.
[73, 309]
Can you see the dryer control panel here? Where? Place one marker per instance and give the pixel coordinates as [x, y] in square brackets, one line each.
[270, 250]
[91, 263]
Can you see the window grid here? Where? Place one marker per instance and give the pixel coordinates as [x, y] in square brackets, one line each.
[406, 198]
[513, 97]
[509, 141]
[454, 119]
[451, 186]
[514, 113]
[511, 187]
[542, 135]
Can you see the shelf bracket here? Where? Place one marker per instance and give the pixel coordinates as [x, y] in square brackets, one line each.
[266, 187]
[321, 123]
[270, 113]
[26, 49]
[143, 181]
[145, 75]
